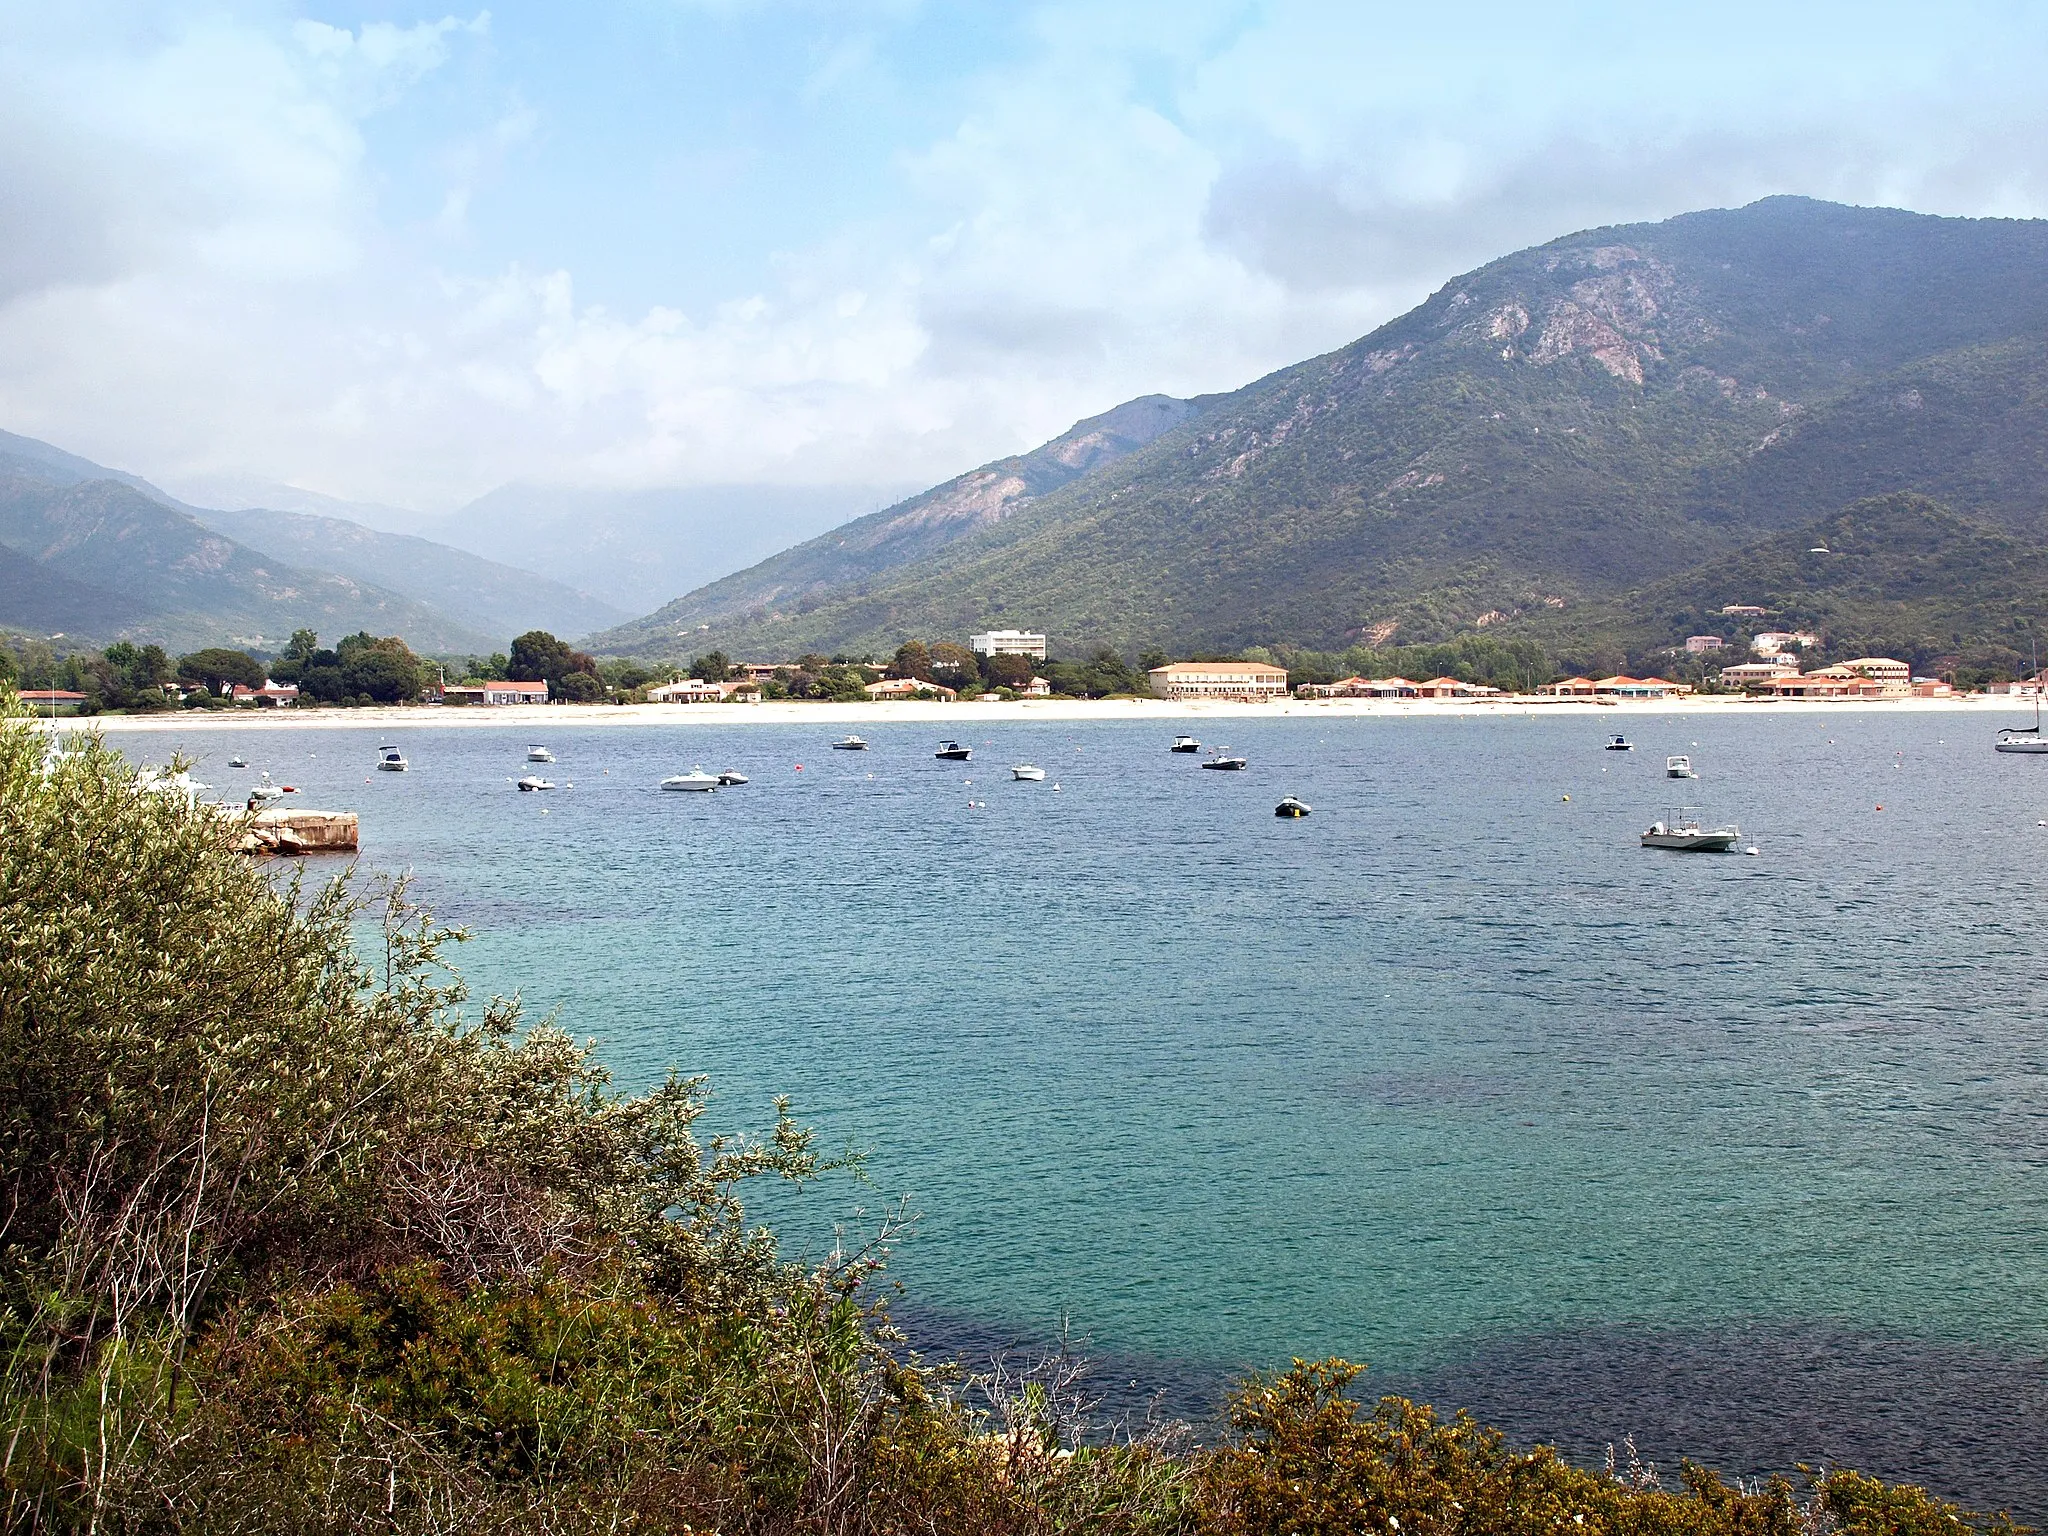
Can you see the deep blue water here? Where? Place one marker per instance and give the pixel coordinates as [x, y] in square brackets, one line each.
[1744, 1155]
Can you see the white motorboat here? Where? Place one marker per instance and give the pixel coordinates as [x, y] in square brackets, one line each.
[696, 779]
[539, 754]
[238, 761]
[1681, 832]
[849, 744]
[1028, 773]
[1620, 744]
[1292, 808]
[953, 752]
[534, 781]
[391, 760]
[1224, 761]
[156, 781]
[1679, 768]
[262, 792]
[1185, 744]
[731, 777]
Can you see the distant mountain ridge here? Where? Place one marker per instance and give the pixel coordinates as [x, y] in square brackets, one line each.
[913, 529]
[1556, 429]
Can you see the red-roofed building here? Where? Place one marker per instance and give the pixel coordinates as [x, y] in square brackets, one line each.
[51, 698]
[270, 695]
[515, 693]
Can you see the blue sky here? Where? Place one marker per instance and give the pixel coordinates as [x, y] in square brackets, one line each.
[403, 253]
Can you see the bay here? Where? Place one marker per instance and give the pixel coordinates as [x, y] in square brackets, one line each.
[1450, 1076]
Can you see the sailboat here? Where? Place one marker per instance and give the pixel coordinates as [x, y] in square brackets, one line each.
[2025, 738]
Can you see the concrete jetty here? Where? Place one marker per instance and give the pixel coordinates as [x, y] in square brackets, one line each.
[292, 832]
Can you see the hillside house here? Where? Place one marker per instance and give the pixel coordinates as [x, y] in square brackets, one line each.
[908, 688]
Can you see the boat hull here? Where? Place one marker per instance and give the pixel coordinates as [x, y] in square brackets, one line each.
[1228, 765]
[954, 757]
[687, 783]
[1028, 775]
[1718, 841]
[2028, 746]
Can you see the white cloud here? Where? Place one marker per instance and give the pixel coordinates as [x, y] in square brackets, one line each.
[1166, 199]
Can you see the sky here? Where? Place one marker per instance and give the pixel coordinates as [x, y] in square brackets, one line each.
[401, 253]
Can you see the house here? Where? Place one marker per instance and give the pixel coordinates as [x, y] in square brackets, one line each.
[1883, 668]
[1249, 680]
[1620, 687]
[1037, 688]
[270, 695]
[514, 693]
[1772, 641]
[1743, 611]
[1008, 642]
[1572, 688]
[1695, 644]
[1931, 688]
[908, 688]
[50, 699]
[1452, 688]
[461, 693]
[759, 671]
[691, 690]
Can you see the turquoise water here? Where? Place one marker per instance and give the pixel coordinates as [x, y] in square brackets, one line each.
[1447, 1070]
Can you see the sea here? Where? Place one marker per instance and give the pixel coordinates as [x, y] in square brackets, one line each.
[1743, 1157]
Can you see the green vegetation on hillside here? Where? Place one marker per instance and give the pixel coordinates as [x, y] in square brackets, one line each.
[1558, 428]
[298, 1243]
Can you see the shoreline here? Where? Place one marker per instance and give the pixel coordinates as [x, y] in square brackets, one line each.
[966, 716]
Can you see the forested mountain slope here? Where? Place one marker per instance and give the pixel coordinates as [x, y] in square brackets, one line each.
[1559, 427]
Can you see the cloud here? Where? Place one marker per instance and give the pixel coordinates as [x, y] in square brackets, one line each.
[205, 271]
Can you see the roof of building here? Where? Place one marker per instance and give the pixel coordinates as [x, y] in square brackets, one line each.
[1241, 667]
[529, 687]
[49, 695]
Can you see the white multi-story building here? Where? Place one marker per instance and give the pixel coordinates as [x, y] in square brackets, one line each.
[1008, 642]
[1219, 680]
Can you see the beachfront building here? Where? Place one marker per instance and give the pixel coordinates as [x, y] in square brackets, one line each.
[1620, 687]
[1572, 688]
[1756, 674]
[908, 688]
[1248, 680]
[1037, 688]
[270, 696]
[1008, 642]
[50, 700]
[689, 690]
[1453, 688]
[512, 693]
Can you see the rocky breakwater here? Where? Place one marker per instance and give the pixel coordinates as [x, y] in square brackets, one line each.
[289, 833]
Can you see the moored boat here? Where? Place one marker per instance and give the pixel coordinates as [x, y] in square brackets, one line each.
[1185, 744]
[731, 777]
[849, 744]
[1292, 808]
[1028, 773]
[534, 781]
[539, 754]
[1681, 832]
[391, 760]
[1225, 761]
[1620, 744]
[953, 752]
[696, 779]
[1679, 767]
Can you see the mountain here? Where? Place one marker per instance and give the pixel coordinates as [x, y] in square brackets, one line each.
[923, 525]
[234, 492]
[101, 559]
[636, 548]
[485, 596]
[1560, 427]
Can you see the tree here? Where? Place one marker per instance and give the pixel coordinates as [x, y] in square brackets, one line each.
[913, 659]
[714, 667]
[1009, 671]
[385, 670]
[217, 664]
[301, 646]
[578, 688]
[951, 663]
[538, 655]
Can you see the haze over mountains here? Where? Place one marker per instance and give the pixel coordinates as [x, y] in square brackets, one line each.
[1544, 435]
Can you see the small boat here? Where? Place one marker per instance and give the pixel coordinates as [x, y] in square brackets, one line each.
[849, 744]
[731, 777]
[263, 791]
[391, 760]
[1620, 744]
[1226, 762]
[1679, 768]
[1292, 809]
[953, 752]
[1185, 744]
[238, 761]
[1028, 773]
[539, 754]
[696, 779]
[1682, 833]
[534, 781]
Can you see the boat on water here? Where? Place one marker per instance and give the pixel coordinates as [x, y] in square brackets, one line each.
[534, 781]
[2023, 738]
[391, 760]
[1681, 832]
[1679, 767]
[1185, 744]
[1028, 773]
[731, 777]
[238, 761]
[262, 792]
[1292, 809]
[849, 744]
[953, 752]
[1620, 744]
[1226, 762]
[539, 754]
[696, 779]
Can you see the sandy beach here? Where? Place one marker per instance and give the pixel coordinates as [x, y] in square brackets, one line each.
[963, 717]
